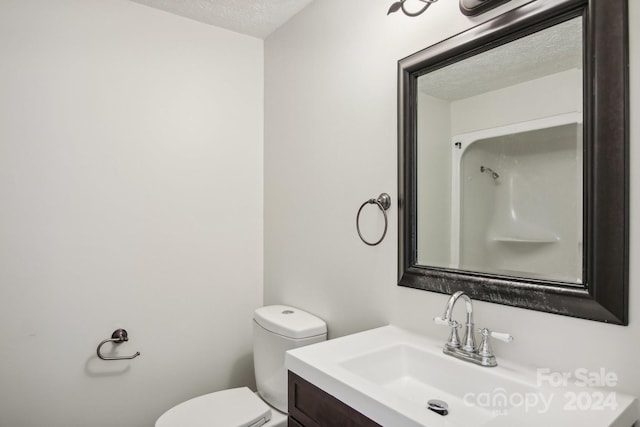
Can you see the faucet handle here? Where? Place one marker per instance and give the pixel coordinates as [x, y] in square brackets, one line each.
[485, 350]
[446, 322]
[485, 346]
[454, 340]
[502, 336]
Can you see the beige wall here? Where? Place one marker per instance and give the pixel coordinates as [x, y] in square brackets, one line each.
[131, 187]
[330, 144]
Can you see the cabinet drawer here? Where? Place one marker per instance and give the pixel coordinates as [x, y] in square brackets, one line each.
[310, 406]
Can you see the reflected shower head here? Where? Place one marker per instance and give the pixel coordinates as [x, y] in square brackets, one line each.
[489, 171]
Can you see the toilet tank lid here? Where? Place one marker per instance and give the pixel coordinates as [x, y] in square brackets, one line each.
[289, 321]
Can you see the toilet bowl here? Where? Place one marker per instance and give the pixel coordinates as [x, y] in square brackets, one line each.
[276, 329]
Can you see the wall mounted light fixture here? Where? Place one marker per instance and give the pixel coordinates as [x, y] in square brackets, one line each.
[399, 5]
[467, 7]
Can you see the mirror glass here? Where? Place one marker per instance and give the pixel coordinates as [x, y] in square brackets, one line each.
[499, 159]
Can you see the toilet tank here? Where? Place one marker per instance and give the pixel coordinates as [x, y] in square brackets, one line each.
[276, 329]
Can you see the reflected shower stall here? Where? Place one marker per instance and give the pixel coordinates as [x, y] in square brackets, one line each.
[516, 200]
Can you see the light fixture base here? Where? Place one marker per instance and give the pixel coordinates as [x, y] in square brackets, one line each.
[476, 7]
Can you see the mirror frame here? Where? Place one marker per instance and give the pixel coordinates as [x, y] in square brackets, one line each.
[603, 295]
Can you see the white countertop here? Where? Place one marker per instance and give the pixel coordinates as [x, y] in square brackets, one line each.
[388, 374]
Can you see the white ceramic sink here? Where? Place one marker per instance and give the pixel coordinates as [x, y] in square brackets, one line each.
[389, 375]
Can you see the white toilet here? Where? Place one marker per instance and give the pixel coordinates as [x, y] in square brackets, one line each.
[276, 329]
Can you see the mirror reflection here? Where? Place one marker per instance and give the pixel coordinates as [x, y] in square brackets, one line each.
[499, 164]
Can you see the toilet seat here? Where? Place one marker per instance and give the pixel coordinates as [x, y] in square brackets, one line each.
[236, 407]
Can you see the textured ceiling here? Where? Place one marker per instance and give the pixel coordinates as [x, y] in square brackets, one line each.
[257, 18]
[550, 51]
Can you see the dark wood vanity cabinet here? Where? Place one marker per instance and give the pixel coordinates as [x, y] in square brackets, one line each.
[311, 407]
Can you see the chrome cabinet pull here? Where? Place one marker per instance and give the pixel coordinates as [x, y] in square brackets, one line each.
[118, 336]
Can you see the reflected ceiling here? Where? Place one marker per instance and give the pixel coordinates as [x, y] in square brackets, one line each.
[553, 50]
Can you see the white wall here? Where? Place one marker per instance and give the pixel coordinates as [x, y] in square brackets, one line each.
[330, 144]
[131, 187]
[434, 147]
[547, 96]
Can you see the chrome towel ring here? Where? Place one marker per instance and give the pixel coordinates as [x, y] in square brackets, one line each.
[118, 336]
[384, 202]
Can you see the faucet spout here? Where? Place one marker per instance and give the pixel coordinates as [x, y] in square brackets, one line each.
[452, 302]
[469, 339]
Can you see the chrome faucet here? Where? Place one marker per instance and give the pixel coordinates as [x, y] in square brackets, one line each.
[481, 355]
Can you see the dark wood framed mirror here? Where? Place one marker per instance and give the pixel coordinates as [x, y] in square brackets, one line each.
[595, 284]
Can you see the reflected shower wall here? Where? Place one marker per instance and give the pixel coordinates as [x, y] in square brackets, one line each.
[519, 204]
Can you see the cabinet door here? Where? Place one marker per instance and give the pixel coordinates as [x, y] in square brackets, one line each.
[293, 423]
[310, 406]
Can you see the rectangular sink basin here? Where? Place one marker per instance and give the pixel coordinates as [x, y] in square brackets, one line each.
[410, 373]
[419, 376]
[390, 374]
